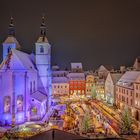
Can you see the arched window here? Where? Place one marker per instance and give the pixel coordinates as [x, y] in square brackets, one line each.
[9, 48]
[19, 103]
[34, 86]
[41, 49]
[7, 104]
[30, 87]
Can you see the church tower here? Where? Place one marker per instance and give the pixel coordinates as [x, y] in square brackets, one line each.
[43, 60]
[10, 41]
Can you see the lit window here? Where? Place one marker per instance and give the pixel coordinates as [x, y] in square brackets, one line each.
[34, 86]
[9, 48]
[19, 103]
[33, 110]
[7, 104]
[30, 87]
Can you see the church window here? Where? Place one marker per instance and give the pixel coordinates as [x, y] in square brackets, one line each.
[41, 49]
[19, 103]
[7, 104]
[34, 86]
[9, 48]
[30, 87]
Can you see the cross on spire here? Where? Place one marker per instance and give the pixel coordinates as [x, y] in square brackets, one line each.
[11, 28]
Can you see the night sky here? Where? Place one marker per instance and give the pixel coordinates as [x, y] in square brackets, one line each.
[93, 32]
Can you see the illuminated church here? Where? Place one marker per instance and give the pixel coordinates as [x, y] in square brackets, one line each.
[25, 79]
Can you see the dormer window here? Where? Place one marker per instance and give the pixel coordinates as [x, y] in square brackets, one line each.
[41, 49]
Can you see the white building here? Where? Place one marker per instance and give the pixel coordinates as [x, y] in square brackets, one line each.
[127, 92]
[102, 72]
[110, 87]
[25, 80]
[60, 83]
[76, 67]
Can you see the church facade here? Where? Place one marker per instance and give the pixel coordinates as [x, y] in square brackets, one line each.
[25, 79]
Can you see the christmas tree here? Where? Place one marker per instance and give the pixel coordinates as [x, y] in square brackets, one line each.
[86, 124]
[94, 94]
[126, 122]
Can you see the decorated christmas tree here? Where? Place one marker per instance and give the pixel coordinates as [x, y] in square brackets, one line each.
[94, 94]
[86, 124]
[126, 122]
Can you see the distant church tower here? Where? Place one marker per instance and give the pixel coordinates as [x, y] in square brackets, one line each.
[43, 60]
[10, 41]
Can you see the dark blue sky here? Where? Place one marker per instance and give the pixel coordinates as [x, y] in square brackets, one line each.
[93, 32]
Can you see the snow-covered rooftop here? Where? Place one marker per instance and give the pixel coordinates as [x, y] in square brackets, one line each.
[18, 61]
[76, 65]
[115, 77]
[59, 72]
[39, 96]
[128, 78]
[102, 68]
[76, 76]
[59, 80]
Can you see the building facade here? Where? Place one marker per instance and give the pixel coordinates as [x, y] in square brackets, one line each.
[127, 92]
[77, 84]
[136, 110]
[110, 87]
[25, 80]
[60, 83]
[90, 82]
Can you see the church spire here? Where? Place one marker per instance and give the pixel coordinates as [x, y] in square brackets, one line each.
[43, 27]
[11, 28]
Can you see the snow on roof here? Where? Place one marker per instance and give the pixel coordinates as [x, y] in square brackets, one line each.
[12, 39]
[18, 61]
[39, 96]
[59, 72]
[59, 80]
[55, 67]
[76, 76]
[100, 81]
[42, 39]
[102, 68]
[32, 57]
[115, 77]
[24, 58]
[128, 78]
[76, 65]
